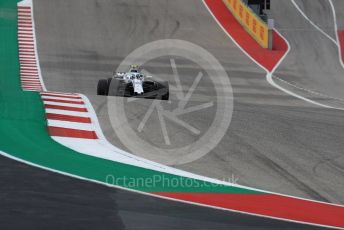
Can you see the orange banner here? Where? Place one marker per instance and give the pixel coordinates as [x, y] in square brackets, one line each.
[253, 24]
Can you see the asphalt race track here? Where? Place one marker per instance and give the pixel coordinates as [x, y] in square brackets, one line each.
[274, 142]
[36, 199]
[312, 68]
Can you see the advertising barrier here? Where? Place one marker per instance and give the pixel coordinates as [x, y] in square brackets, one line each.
[253, 24]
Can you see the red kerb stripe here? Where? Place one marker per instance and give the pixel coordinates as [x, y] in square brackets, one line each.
[25, 40]
[62, 117]
[269, 205]
[27, 56]
[341, 42]
[74, 133]
[25, 12]
[25, 26]
[24, 22]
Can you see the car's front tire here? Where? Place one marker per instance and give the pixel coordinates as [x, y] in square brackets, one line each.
[103, 87]
[117, 88]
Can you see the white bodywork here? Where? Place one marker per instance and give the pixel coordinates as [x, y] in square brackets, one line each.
[137, 84]
[135, 78]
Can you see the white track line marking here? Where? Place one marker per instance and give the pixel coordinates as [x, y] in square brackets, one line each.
[308, 90]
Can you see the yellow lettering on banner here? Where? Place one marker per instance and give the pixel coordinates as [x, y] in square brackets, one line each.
[261, 32]
[248, 17]
[253, 24]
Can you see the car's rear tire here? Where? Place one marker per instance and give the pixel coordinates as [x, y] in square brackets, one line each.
[165, 87]
[103, 87]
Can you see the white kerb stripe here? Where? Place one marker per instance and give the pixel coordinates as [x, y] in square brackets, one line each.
[61, 98]
[71, 125]
[63, 104]
[67, 112]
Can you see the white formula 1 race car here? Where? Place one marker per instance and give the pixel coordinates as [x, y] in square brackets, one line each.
[133, 84]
